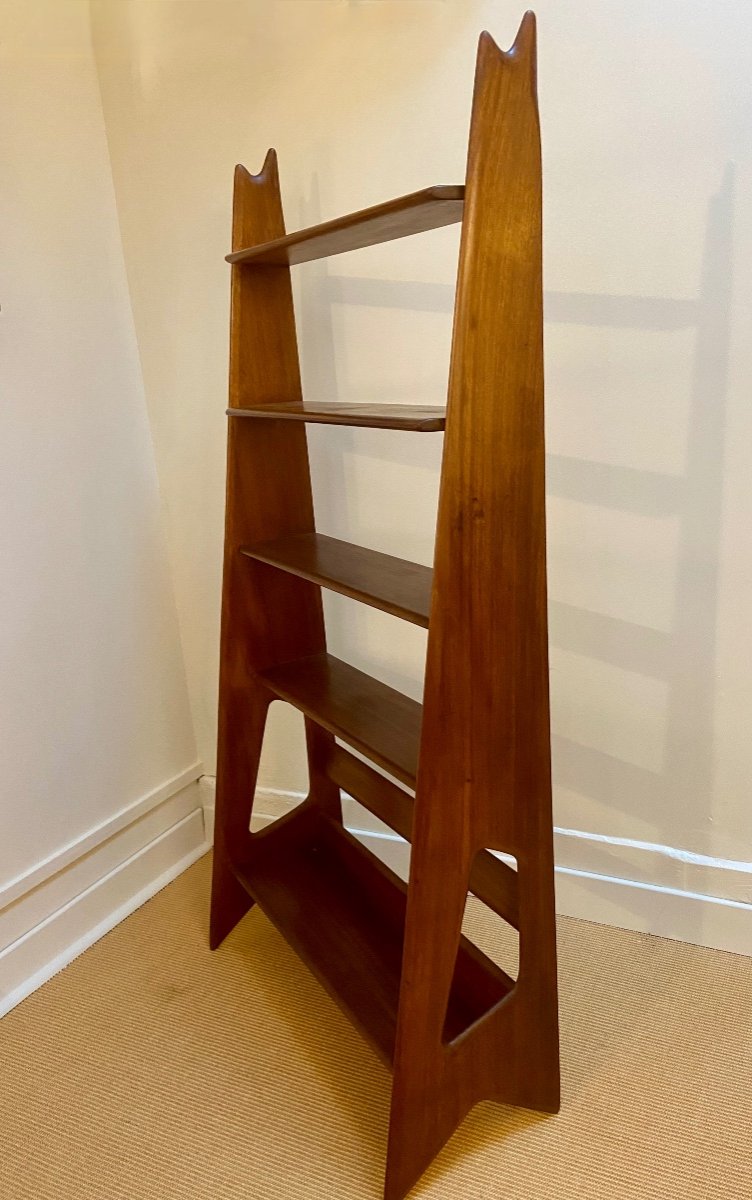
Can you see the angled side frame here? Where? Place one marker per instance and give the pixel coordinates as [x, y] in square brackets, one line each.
[268, 617]
[484, 778]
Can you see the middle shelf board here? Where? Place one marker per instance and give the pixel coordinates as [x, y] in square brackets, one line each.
[377, 720]
[431, 208]
[416, 418]
[392, 584]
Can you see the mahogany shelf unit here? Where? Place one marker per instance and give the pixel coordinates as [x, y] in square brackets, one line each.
[468, 772]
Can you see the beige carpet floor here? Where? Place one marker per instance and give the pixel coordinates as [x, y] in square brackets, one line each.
[152, 1068]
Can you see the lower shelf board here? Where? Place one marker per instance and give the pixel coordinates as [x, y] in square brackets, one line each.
[343, 912]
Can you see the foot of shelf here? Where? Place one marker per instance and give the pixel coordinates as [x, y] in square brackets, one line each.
[412, 1150]
[229, 903]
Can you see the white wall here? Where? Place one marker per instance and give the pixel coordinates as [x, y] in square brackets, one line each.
[648, 263]
[94, 718]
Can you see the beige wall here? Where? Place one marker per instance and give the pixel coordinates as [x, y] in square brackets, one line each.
[648, 264]
[93, 704]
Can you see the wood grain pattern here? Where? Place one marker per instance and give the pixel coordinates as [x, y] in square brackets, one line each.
[391, 584]
[390, 803]
[343, 912]
[456, 1028]
[267, 617]
[417, 418]
[373, 718]
[484, 776]
[492, 881]
[428, 209]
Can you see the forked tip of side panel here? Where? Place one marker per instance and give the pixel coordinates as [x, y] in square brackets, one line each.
[268, 169]
[523, 45]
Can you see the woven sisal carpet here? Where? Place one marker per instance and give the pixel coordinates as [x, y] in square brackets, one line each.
[153, 1069]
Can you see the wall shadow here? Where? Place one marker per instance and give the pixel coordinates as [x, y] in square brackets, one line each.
[684, 655]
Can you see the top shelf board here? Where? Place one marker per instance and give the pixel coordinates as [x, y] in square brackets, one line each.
[430, 209]
[418, 418]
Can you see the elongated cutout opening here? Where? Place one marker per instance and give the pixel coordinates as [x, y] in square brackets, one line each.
[283, 759]
[487, 963]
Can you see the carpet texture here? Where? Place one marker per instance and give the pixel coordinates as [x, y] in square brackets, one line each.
[151, 1068]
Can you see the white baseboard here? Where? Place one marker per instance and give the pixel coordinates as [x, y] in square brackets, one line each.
[75, 898]
[207, 790]
[665, 891]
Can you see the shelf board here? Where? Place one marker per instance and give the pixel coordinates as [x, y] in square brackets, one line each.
[343, 913]
[491, 880]
[417, 418]
[385, 799]
[375, 719]
[428, 209]
[392, 584]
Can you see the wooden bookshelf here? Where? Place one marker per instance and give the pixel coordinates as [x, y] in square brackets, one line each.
[452, 1025]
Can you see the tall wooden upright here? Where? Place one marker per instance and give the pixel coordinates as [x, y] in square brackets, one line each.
[454, 1026]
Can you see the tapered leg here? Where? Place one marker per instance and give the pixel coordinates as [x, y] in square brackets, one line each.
[229, 900]
[510, 1055]
[424, 1110]
[241, 739]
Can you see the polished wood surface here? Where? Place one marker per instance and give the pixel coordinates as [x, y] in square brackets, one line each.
[267, 616]
[491, 880]
[429, 209]
[390, 803]
[343, 912]
[484, 774]
[455, 1028]
[410, 417]
[392, 584]
[373, 718]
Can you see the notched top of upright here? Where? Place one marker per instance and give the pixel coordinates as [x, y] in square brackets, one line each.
[430, 208]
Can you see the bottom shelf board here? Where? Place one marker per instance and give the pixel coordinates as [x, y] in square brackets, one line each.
[343, 912]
